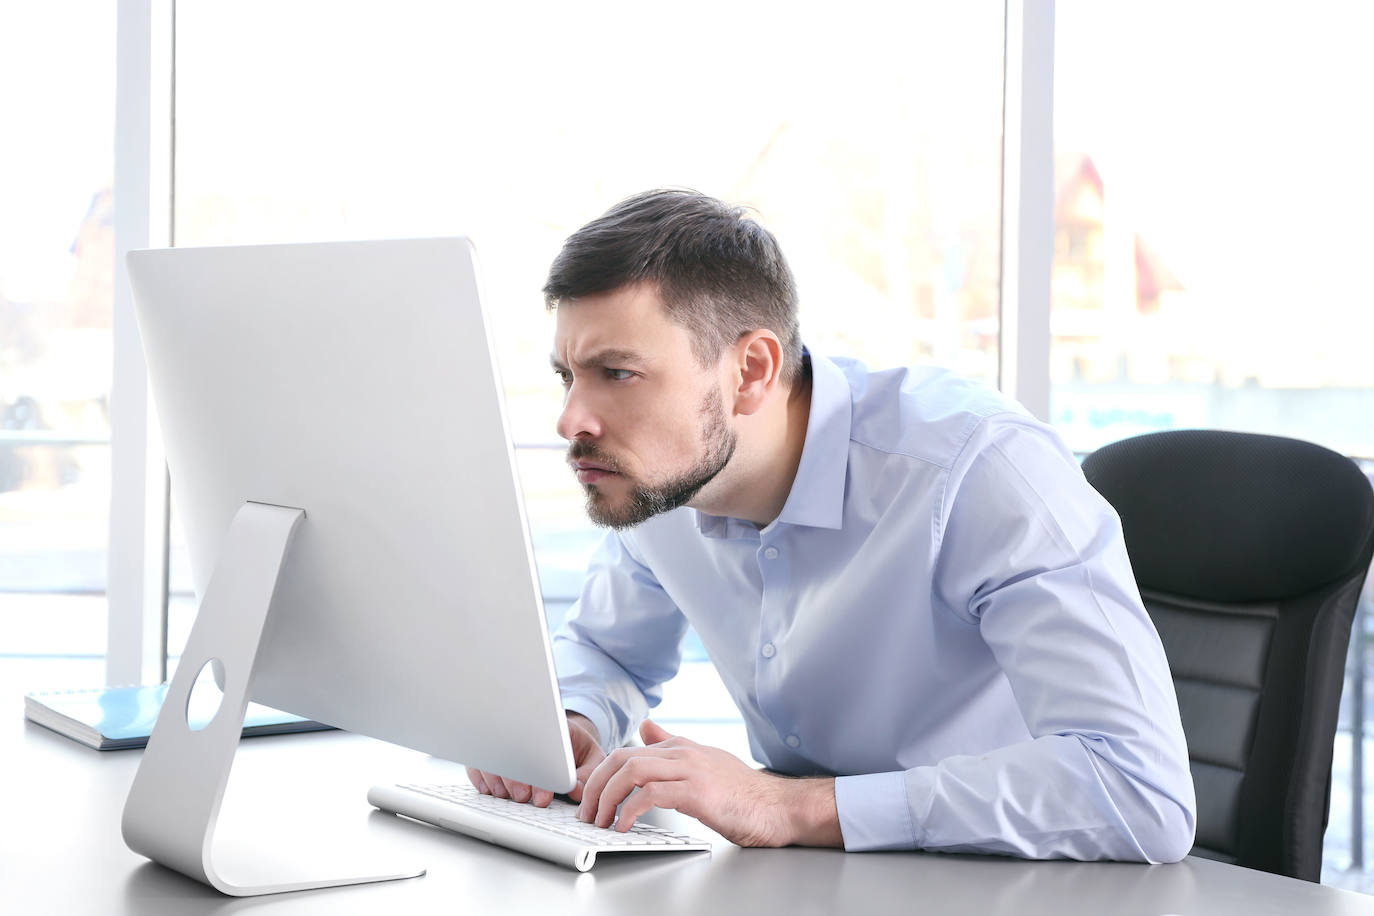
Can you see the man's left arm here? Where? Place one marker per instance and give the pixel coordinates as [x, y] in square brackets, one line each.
[1034, 558]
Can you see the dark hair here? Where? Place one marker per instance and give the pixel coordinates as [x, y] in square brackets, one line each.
[719, 273]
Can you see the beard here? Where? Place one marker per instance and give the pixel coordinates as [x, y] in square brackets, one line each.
[647, 500]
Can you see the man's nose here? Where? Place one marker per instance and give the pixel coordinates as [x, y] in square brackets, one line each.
[577, 420]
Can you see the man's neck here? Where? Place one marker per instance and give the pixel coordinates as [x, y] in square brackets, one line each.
[768, 465]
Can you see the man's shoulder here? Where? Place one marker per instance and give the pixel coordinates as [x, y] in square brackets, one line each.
[924, 413]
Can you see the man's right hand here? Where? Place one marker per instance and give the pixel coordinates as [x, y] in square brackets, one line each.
[587, 753]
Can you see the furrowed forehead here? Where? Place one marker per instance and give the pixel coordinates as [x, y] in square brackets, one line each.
[603, 356]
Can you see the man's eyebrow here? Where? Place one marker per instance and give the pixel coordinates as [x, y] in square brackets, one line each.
[609, 357]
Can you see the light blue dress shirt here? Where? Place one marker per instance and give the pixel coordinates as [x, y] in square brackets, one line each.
[943, 616]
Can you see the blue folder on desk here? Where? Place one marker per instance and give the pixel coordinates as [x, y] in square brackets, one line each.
[112, 718]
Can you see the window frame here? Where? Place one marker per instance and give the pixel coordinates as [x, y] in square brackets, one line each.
[136, 641]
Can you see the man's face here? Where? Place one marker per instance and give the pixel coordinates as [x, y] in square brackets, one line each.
[646, 423]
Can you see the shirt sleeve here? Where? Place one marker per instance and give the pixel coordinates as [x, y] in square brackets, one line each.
[620, 641]
[1034, 557]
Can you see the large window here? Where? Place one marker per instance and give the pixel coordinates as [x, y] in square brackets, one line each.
[56, 276]
[868, 143]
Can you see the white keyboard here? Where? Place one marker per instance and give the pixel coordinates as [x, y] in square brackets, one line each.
[552, 833]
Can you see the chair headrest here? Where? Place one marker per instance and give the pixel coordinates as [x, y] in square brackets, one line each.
[1226, 516]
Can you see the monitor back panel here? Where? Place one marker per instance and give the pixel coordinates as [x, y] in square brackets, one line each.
[357, 381]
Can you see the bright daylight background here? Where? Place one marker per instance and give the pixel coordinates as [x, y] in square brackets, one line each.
[1212, 219]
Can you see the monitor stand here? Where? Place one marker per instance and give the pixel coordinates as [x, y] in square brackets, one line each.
[174, 803]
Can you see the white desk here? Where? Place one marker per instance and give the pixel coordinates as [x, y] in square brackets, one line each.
[61, 853]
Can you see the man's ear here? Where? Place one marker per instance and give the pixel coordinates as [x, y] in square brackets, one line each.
[758, 365]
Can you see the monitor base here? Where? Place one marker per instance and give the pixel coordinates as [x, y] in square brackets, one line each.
[174, 803]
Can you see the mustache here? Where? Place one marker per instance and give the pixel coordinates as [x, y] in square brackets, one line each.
[584, 450]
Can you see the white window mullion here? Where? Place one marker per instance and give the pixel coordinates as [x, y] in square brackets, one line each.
[137, 637]
[1027, 204]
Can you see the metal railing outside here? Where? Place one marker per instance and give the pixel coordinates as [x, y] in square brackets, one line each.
[1354, 704]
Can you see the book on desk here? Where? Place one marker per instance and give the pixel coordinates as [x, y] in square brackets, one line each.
[114, 718]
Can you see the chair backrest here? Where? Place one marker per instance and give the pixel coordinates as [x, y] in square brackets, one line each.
[1250, 552]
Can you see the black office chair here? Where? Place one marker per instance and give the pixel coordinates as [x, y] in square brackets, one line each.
[1250, 552]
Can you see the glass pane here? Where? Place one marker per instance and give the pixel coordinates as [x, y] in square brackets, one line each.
[879, 171]
[869, 143]
[56, 281]
[1212, 222]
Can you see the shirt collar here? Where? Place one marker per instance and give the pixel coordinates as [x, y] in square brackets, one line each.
[817, 495]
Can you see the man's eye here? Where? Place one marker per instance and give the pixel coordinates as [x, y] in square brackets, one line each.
[564, 377]
[619, 375]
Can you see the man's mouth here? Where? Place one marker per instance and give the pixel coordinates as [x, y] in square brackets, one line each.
[591, 471]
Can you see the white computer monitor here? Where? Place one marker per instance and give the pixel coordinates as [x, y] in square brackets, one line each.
[339, 453]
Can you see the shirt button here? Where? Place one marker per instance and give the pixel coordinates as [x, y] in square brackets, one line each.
[771, 553]
[793, 741]
[768, 650]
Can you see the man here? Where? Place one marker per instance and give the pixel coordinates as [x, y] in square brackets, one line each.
[925, 614]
